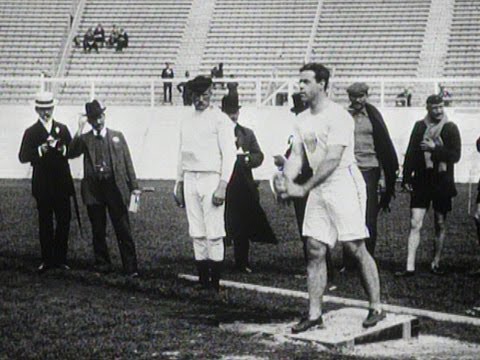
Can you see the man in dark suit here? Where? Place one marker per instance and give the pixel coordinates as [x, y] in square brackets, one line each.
[428, 174]
[167, 73]
[109, 180]
[245, 219]
[44, 146]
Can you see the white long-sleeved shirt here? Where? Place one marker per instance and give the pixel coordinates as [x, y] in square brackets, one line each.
[207, 144]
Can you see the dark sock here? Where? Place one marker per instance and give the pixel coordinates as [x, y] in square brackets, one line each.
[203, 273]
[216, 272]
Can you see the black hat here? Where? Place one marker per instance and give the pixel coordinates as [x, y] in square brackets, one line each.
[199, 84]
[94, 109]
[230, 104]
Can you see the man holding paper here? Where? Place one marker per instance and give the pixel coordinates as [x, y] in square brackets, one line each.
[109, 182]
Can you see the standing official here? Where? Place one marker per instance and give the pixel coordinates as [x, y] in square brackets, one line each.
[44, 146]
[245, 219]
[167, 73]
[109, 180]
[375, 155]
[206, 158]
[428, 174]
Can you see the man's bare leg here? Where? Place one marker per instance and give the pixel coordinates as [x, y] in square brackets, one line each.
[370, 280]
[316, 282]
[440, 231]
[416, 221]
[368, 271]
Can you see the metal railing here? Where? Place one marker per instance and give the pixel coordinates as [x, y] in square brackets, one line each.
[258, 91]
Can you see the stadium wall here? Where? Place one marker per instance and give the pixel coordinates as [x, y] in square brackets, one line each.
[152, 134]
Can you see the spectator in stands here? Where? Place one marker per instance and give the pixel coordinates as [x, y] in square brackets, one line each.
[220, 75]
[45, 146]
[89, 41]
[167, 73]
[445, 95]
[434, 147]
[404, 98]
[206, 157]
[122, 40]
[232, 93]
[108, 183]
[245, 219]
[112, 38]
[185, 91]
[375, 156]
[77, 40]
[99, 35]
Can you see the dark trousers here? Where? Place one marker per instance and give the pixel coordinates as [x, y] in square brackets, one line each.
[371, 178]
[54, 239]
[112, 200]
[299, 205]
[167, 87]
[241, 248]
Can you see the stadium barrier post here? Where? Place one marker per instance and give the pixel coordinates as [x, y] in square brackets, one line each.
[258, 92]
[382, 93]
[92, 90]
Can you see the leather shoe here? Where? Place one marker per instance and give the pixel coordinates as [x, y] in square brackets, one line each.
[42, 268]
[405, 273]
[437, 270]
[64, 267]
[306, 324]
[373, 317]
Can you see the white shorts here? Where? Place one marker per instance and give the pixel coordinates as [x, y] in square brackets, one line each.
[336, 210]
[205, 220]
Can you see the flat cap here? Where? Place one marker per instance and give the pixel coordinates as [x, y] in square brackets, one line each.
[199, 84]
[358, 88]
[434, 100]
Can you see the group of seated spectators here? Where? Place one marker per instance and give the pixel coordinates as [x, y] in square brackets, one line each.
[405, 97]
[94, 39]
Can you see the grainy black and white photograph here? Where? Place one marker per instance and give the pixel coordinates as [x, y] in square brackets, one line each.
[239, 179]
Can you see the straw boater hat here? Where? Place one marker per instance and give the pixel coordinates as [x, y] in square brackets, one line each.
[44, 100]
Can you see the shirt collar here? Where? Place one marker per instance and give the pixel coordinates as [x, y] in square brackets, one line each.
[47, 124]
[354, 112]
[102, 133]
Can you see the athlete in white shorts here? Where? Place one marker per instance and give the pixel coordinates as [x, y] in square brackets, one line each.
[336, 193]
[207, 154]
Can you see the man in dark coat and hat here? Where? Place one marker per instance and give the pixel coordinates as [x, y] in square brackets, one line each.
[44, 146]
[375, 156]
[245, 219]
[109, 181]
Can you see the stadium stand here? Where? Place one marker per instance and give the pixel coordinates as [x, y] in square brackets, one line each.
[371, 38]
[155, 29]
[463, 54]
[260, 39]
[31, 36]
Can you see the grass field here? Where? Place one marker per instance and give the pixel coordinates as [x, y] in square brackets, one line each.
[80, 314]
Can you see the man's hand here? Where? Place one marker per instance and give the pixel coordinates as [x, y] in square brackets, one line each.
[82, 121]
[178, 194]
[279, 184]
[427, 145]
[137, 192]
[407, 187]
[295, 190]
[44, 148]
[279, 160]
[218, 197]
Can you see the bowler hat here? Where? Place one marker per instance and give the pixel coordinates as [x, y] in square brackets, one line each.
[199, 84]
[358, 88]
[44, 99]
[230, 104]
[94, 109]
